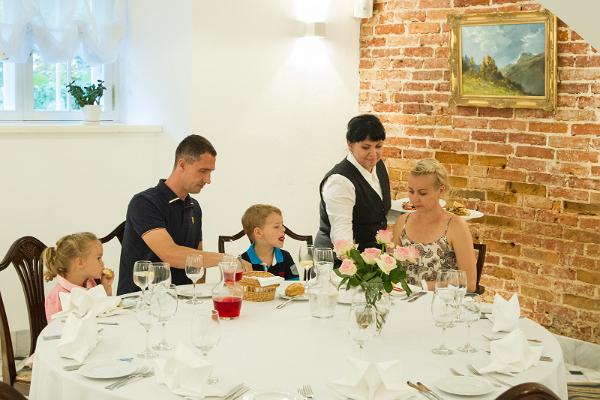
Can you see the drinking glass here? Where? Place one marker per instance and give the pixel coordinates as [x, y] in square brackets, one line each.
[140, 275]
[362, 326]
[323, 256]
[458, 279]
[470, 313]
[206, 334]
[164, 306]
[194, 269]
[443, 315]
[306, 260]
[144, 315]
[160, 272]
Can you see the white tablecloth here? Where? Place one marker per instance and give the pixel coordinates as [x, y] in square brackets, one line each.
[269, 348]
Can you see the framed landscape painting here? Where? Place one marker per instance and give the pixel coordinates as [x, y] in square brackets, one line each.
[503, 60]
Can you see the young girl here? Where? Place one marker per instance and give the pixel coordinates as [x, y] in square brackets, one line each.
[75, 261]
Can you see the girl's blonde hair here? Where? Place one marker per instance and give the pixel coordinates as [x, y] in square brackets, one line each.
[431, 166]
[256, 216]
[57, 259]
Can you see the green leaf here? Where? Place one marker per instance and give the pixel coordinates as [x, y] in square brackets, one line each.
[387, 286]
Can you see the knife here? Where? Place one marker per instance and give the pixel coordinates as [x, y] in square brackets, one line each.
[427, 390]
[423, 392]
[416, 296]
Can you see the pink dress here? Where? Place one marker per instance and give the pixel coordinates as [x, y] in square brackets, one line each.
[52, 304]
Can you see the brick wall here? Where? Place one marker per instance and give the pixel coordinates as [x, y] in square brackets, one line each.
[535, 174]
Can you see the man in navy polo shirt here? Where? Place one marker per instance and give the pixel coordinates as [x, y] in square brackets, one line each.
[164, 223]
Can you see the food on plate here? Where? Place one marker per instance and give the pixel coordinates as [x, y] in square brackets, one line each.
[295, 289]
[108, 273]
[457, 208]
[408, 206]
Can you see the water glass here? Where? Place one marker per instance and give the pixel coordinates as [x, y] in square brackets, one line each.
[164, 306]
[458, 279]
[443, 314]
[159, 272]
[144, 315]
[206, 334]
[140, 275]
[470, 312]
[306, 260]
[194, 269]
[323, 256]
[362, 324]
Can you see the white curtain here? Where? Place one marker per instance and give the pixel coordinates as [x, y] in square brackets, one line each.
[60, 29]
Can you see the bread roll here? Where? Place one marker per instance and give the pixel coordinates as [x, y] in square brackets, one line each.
[108, 273]
[295, 289]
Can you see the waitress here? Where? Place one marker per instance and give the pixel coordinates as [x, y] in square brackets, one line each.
[355, 193]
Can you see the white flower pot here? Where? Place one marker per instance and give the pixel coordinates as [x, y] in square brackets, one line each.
[91, 113]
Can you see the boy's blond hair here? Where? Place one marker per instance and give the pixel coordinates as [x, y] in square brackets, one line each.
[256, 216]
[57, 259]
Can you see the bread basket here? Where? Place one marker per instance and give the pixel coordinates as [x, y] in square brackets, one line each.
[252, 289]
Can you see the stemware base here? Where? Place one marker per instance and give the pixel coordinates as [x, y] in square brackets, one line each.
[467, 348]
[442, 350]
[163, 346]
[147, 354]
[212, 380]
[194, 301]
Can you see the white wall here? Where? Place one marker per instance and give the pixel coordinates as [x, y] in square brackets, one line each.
[275, 107]
[580, 15]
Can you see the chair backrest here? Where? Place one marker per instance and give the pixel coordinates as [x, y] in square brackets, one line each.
[117, 232]
[481, 248]
[7, 392]
[9, 370]
[528, 391]
[303, 238]
[25, 255]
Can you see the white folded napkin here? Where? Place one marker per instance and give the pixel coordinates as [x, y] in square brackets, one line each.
[79, 337]
[185, 373]
[363, 380]
[505, 314]
[82, 301]
[272, 280]
[512, 353]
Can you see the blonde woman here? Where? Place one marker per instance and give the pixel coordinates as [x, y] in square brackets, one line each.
[443, 238]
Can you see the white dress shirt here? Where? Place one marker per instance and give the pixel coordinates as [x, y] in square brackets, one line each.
[339, 196]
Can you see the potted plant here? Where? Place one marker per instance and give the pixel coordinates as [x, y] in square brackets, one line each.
[88, 99]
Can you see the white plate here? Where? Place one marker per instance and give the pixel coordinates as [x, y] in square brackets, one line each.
[271, 395]
[473, 214]
[108, 369]
[464, 385]
[128, 302]
[302, 297]
[397, 205]
[202, 290]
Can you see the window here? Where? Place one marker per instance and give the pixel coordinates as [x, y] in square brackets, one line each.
[36, 90]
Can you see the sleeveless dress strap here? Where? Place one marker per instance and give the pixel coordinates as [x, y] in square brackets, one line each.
[448, 225]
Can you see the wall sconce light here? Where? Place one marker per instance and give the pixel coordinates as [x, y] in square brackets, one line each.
[314, 29]
[363, 8]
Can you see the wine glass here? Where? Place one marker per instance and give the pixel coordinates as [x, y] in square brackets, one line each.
[144, 315]
[323, 256]
[164, 306]
[362, 326]
[443, 315]
[194, 269]
[206, 334]
[470, 312]
[306, 259]
[160, 272]
[458, 279]
[140, 275]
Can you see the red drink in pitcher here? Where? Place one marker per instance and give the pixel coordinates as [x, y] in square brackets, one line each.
[231, 276]
[228, 306]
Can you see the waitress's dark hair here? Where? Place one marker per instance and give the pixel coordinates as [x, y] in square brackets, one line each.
[365, 126]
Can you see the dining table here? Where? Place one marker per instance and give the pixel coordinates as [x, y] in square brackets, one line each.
[281, 349]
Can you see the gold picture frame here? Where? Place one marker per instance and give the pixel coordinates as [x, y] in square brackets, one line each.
[496, 60]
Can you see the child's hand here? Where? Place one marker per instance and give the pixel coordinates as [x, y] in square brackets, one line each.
[106, 280]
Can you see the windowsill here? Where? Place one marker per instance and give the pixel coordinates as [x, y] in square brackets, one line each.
[76, 127]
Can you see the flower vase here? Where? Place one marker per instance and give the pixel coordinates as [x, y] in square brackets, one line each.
[373, 294]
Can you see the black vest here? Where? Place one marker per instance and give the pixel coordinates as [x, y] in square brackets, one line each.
[369, 212]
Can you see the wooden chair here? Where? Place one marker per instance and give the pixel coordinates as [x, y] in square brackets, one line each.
[117, 232]
[7, 392]
[303, 238]
[481, 248]
[528, 391]
[25, 255]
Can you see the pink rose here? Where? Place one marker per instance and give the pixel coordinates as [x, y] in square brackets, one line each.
[384, 236]
[342, 247]
[386, 263]
[348, 267]
[370, 255]
[409, 254]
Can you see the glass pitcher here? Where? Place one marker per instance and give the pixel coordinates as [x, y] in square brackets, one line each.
[322, 290]
[228, 293]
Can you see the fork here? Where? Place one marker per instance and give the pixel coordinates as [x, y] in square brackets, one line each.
[475, 372]
[306, 391]
[455, 372]
[121, 381]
